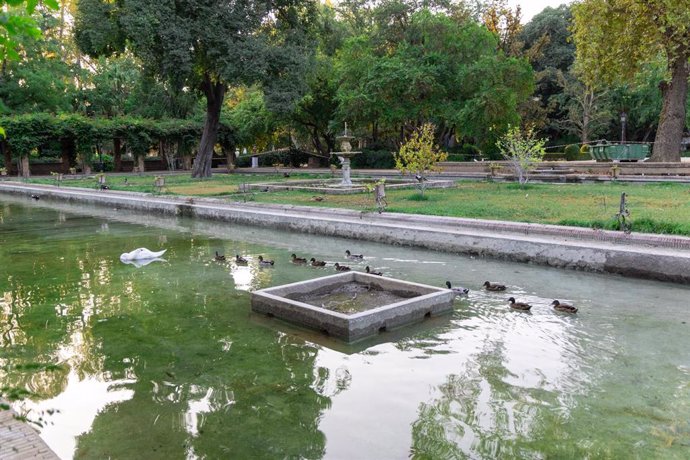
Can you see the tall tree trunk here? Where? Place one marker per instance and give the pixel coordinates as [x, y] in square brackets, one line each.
[117, 154]
[23, 166]
[230, 157]
[215, 93]
[672, 121]
[67, 152]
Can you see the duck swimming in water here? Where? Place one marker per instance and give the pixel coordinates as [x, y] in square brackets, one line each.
[239, 260]
[457, 290]
[562, 307]
[368, 270]
[298, 260]
[317, 263]
[341, 268]
[493, 287]
[349, 255]
[265, 263]
[220, 257]
[519, 305]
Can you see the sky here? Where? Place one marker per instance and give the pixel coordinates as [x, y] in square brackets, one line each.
[532, 7]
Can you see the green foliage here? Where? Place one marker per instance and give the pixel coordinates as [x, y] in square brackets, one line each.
[32, 132]
[549, 30]
[16, 22]
[373, 159]
[432, 69]
[554, 156]
[615, 38]
[523, 150]
[42, 80]
[572, 152]
[290, 158]
[419, 155]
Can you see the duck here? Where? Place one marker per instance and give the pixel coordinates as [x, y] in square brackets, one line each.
[317, 263]
[220, 257]
[298, 260]
[36, 197]
[141, 254]
[317, 198]
[349, 255]
[519, 305]
[265, 263]
[239, 260]
[368, 270]
[493, 286]
[457, 290]
[562, 307]
[341, 268]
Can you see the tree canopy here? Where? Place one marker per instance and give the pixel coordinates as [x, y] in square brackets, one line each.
[616, 38]
[207, 45]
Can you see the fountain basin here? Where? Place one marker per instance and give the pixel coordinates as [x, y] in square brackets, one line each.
[352, 306]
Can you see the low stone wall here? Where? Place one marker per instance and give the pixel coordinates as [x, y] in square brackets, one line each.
[660, 257]
[578, 167]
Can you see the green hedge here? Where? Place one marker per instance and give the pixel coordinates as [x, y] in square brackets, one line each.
[373, 159]
[28, 133]
[292, 158]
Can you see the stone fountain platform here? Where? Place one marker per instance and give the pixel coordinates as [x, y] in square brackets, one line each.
[334, 187]
[353, 306]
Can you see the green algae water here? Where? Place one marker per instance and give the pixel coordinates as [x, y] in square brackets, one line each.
[167, 361]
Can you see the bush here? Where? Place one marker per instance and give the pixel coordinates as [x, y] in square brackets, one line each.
[572, 152]
[292, 158]
[373, 159]
[554, 156]
[108, 162]
[464, 152]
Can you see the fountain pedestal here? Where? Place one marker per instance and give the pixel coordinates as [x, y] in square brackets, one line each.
[344, 157]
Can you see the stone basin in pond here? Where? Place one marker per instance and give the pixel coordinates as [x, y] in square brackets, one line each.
[352, 306]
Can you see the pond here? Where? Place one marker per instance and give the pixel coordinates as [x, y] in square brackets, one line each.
[167, 360]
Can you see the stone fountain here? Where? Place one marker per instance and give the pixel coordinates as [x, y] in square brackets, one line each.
[344, 156]
[353, 305]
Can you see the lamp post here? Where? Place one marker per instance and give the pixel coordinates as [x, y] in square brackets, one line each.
[624, 119]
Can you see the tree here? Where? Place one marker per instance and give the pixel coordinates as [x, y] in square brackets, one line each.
[523, 150]
[420, 155]
[40, 80]
[16, 21]
[207, 45]
[548, 45]
[616, 38]
[434, 70]
[586, 109]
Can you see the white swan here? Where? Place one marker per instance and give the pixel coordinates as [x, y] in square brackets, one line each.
[140, 254]
[142, 262]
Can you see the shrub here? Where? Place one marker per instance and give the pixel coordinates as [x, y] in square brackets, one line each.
[373, 159]
[291, 158]
[572, 152]
[464, 152]
[554, 156]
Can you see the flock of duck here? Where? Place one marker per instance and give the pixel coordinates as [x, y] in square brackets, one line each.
[489, 286]
[239, 260]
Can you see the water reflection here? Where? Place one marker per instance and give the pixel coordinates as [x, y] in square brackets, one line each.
[171, 363]
[143, 262]
[151, 346]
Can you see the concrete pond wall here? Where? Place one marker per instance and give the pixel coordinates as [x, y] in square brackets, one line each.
[659, 257]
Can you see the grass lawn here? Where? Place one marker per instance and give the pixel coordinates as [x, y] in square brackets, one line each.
[654, 208]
